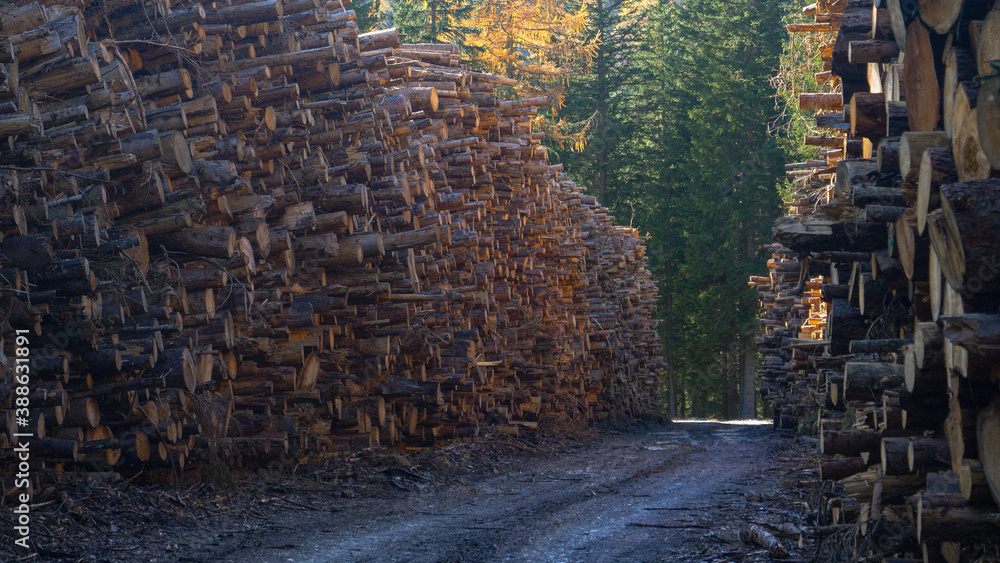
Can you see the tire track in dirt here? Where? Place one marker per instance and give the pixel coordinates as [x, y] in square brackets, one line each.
[589, 505]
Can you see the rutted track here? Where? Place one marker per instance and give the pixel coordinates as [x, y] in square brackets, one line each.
[605, 502]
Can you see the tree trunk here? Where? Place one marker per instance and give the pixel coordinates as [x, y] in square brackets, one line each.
[988, 436]
[923, 73]
[937, 167]
[966, 234]
[850, 442]
[836, 469]
[879, 346]
[668, 313]
[894, 452]
[748, 385]
[950, 517]
[865, 382]
[988, 115]
[868, 116]
[845, 324]
[872, 51]
[732, 372]
[912, 145]
[977, 333]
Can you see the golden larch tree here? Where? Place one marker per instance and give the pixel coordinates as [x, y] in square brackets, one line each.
[538, 42]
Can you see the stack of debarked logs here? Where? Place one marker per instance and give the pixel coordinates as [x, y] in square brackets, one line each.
[247, 231]
[880, 325]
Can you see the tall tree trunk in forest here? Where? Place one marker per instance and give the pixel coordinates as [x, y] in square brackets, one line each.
[748, 352]
[671, 386]
[433, 33]
[748, 380]
[668, 338]
[602, 102]
[731, 363]
[727, 391]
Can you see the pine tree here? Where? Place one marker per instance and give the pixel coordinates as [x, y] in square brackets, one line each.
[369, 15]
[409, 17]
[597, 98]
[686, 154]
[433, 21]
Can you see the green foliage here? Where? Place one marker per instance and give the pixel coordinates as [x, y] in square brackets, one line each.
[407, 15]
[598, 99]
[432, 21]
[370, 17]
[693, 151]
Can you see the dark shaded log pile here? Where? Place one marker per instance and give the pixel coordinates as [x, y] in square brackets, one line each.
[879, 319]
[247, 231]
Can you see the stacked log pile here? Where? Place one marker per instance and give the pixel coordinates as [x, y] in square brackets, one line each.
[879, 316]
[246, 230]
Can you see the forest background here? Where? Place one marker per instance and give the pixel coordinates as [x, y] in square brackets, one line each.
[679, 116]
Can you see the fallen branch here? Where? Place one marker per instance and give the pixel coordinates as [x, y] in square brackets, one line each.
[758, 535]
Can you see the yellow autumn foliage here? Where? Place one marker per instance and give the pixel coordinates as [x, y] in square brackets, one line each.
[538, 42]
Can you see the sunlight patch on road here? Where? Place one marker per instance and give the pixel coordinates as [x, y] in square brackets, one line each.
[747, 422]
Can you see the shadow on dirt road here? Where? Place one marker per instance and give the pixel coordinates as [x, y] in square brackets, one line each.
[658, 495]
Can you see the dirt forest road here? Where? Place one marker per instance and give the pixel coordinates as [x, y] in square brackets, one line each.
[671, 493]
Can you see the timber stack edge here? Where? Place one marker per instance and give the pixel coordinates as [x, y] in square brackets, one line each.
[879, 317]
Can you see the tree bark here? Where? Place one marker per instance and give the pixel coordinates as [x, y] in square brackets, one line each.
[937, 167]
[966, 234]
[988, 115]
[748, 385]
[923, 72]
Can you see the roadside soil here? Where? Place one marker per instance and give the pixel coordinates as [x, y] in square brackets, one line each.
[674, 493]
